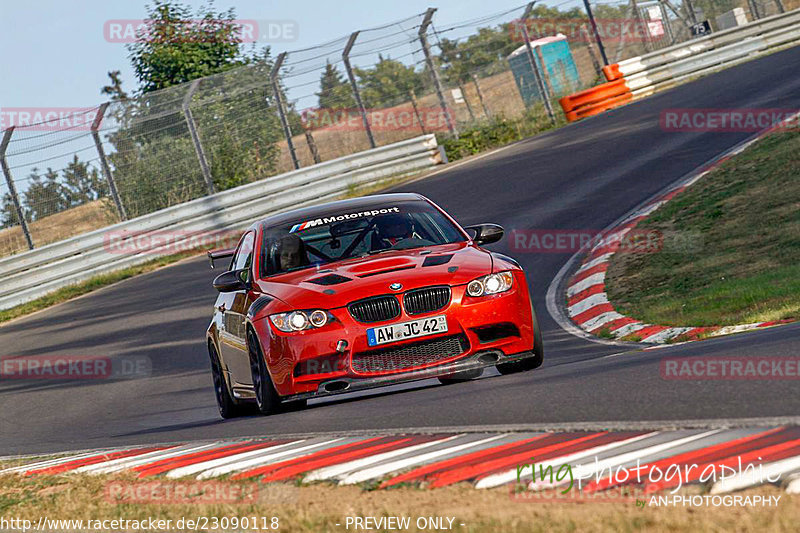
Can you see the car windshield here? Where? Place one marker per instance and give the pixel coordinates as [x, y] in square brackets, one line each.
[347, 234]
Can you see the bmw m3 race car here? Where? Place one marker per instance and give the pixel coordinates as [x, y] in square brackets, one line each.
[361, 293]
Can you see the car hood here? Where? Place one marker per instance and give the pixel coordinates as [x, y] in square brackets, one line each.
[337, 284]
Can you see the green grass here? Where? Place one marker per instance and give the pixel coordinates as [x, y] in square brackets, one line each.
[92, 284]
[738, 254]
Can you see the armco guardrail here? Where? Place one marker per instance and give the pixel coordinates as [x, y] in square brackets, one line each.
[644, 75]
[32, 274]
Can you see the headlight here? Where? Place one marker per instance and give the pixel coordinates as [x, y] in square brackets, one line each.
[491, 284]
[300, 320]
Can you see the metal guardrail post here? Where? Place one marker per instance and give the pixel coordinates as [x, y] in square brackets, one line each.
[11, 189]
[437, 83]
[198, 146]
[354, 86]
[287, 130]
[112, 186]
[312, 145]
[596, 32]
[480, 95]
[415, 106]
[537, 74]
[780, 6]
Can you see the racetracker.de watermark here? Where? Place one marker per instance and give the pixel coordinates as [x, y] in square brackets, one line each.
[643, 241]
[71, 367]
[729, 120]
[730, 368]
[48, 118]
[400, 118]
[578, 30]
[125, 242]
[198, 30]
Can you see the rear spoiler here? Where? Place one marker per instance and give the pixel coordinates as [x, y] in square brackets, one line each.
[219, 254]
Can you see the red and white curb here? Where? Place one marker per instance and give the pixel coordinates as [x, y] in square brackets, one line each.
[484, 459]
[587, 302]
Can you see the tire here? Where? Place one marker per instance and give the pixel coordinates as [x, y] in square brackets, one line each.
[228, 408]
[460, 377]
[267, 400]
[528, 363]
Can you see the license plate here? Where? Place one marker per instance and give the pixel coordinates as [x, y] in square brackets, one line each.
[407, 330]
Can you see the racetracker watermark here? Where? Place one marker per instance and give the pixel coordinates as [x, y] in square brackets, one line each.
[48, 118]
[201, 30]
[175, 492]
[578, 30]
[167, 242]
[71, 367]
[641, 241]
[624, 494]
[729, 120]
[401, 118]
[730, 368]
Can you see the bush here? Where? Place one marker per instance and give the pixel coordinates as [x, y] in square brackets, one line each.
[497, 132]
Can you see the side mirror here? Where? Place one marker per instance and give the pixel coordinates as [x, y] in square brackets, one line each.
[232, 281]
[486, 233]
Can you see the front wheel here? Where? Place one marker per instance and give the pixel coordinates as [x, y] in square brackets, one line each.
[267, 399]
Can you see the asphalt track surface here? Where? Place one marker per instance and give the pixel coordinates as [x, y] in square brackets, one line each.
[583, 176]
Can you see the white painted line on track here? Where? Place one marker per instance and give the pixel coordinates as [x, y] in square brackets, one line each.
[263, 460]
[340, 470]
[124, 463]
[587, 303]
[377, 471]
[52, 462]
[189, 470]
[595, 279]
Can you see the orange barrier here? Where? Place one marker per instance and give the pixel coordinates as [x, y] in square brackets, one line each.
[595, 109]
[612, 72]
[593, 95]
[595, 99]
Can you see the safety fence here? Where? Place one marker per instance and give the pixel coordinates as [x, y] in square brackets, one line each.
[29, 275]
[641, 76]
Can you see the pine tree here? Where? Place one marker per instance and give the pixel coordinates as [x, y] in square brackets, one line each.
[334, 91]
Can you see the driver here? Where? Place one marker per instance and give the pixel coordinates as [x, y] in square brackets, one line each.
[391, 229]
[292, 252]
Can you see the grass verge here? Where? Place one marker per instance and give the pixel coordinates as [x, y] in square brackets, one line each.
[323, 507]
[731, 252]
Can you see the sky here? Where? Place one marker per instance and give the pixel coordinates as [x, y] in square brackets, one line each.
[54, 53]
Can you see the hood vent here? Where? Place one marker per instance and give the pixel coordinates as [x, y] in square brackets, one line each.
[436, 260]
[378, 272]
[330, 279]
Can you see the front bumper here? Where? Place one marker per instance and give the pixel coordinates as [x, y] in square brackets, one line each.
[467, 317]
[481, 359]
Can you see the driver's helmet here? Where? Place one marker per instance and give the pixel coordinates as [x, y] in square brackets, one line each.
[394, 228]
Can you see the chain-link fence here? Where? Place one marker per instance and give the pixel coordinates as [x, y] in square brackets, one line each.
[71, 171]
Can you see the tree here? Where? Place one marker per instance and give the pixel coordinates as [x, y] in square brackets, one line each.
[114, 90]
[175, 48]
[45, 195]
[82, 183]
[334, 92]
[389, 83]
[8, 212]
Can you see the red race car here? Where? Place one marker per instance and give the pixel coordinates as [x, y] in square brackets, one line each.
[362, 293]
